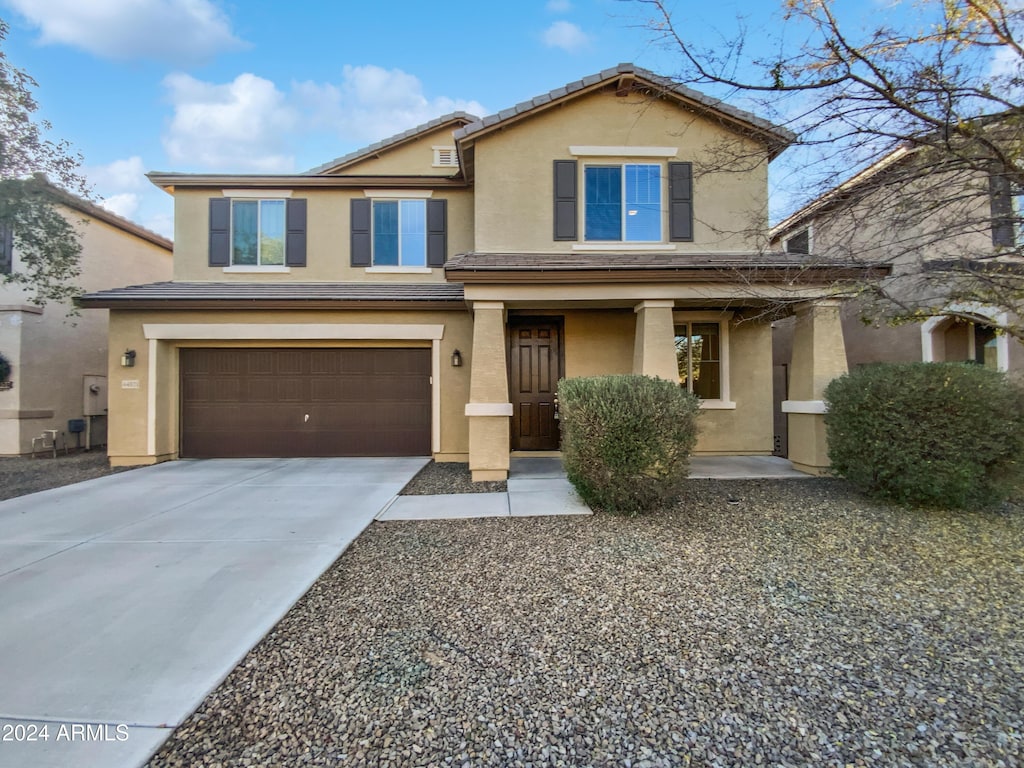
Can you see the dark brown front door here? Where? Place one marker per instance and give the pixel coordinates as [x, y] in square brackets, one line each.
[536, 351]
[305, 402]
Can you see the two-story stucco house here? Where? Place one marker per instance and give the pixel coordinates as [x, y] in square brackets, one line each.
[423, 296]
[59, 363]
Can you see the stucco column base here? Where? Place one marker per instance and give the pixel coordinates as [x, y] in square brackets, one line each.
[488, 447]
[808, 446]
[654, 349]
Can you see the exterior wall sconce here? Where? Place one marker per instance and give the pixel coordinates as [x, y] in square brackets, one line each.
[128, 359]
[456, 359]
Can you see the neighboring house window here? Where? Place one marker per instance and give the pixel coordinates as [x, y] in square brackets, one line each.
[257, 232]
[699, 353]
[446, 157]
[622, 202]
[399, 233]
[6, 250]
[800, 242]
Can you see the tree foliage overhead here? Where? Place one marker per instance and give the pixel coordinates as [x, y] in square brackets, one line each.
[929, 98]
[33, 171]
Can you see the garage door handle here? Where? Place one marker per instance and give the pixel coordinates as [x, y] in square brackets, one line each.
[306, 419]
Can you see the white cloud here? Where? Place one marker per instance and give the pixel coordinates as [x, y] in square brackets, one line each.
[372, 103]
[124, 204]
[129, 173]
[161, 223]
[177, 31]
[559, 6]
[238, 126]
[567, 36]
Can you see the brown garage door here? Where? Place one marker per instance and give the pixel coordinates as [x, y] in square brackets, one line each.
[305, 402]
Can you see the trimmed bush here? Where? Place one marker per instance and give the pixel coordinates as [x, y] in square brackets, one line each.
[930, 434]
[5, 368]
[626, 440]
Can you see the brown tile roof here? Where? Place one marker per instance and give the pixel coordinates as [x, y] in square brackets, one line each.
[174, 295]
[678, 267]
[777, 136]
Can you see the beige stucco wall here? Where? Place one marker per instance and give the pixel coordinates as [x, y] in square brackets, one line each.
[412, 158]
[53, 352]
[513, 172]
[153, 406]
[328, 237]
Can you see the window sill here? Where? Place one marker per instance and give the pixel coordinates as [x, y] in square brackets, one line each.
[400, 270]
[617, 246]
[253, 269]
[717, 405]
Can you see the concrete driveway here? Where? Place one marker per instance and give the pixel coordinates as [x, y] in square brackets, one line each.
[125, 600]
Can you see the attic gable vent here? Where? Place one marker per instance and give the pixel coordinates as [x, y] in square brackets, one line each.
[446, 157]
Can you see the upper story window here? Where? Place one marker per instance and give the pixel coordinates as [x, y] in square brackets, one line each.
[400, 233]
[6, 250]
[257, 232]
[622, 202]
[800, 242]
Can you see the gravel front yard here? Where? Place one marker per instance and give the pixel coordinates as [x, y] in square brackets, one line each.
[800, 626]
[20, 475]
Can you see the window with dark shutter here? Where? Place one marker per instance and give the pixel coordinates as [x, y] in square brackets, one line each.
[565, 200]
[6, 250]
[220, 232]
[437, 232]
[800, 242]
[680, 202]
[361, 211]
[1001, 201]
[295, 235]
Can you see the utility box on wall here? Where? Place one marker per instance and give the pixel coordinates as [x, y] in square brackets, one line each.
[95, 396]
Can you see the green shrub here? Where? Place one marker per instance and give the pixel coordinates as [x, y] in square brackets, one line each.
[932, 434]
[5, 368]
[626, 440]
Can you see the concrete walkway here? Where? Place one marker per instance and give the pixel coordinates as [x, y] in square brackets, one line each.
[538, 487]
[125, 600]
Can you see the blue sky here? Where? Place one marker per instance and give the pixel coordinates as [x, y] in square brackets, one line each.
[256, 85]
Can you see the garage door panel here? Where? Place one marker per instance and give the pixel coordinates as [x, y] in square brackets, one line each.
[254, 402]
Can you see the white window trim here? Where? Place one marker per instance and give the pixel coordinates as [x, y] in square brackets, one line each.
[937, 324]
[400, 270]
[257, 267]
[415, 268]
[587, 150]
[244, 269]
[810, 238]
[399, 194]
[258, 194]
[617, 245]
[605, 245]
[724, 320]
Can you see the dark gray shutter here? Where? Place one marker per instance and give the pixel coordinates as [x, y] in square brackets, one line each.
[680, 202]
[362, 251]
[565, 200]
[295, 236]
[437, 232]
[1002, 210]
[6, 249]
[220, 232]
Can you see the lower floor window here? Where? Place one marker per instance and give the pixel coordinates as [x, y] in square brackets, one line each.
[699, 355]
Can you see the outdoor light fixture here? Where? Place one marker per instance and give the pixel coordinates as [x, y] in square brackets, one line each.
[128, 359]
[456, 359]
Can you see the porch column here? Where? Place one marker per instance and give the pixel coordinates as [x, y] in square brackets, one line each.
[488, 409]
[654, 350]
[819, 355]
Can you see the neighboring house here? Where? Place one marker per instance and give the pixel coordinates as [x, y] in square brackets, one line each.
[59, 363]
[424, 295]
[893, 213]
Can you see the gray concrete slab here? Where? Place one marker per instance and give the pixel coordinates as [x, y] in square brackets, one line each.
[743, 468]
[538, 467]
[546, 502]
[162, 594]
[83, 745]
[449, 506]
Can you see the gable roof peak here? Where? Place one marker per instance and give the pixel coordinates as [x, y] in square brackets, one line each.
[458, 117]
